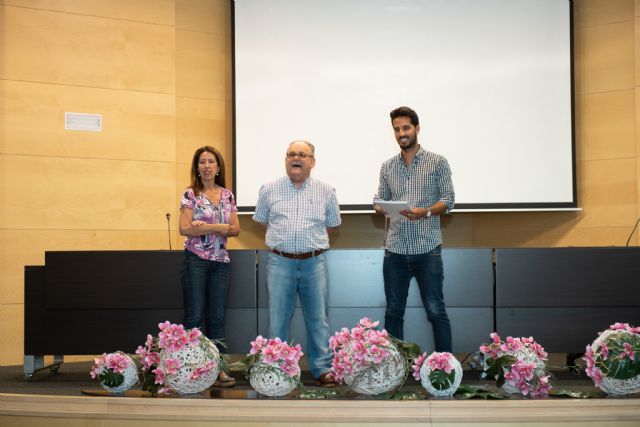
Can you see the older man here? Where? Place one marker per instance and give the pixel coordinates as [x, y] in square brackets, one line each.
[299, 212]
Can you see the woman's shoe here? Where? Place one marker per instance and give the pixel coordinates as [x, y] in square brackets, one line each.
[224, 380]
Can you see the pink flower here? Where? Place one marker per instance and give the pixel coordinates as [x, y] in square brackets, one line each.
[511, 344]
[604, 351]
[194, 337]
[160, 375]
[628, 351]
[117, 362]
[270, 355]
[440, 362]
[378, 353]
[172, 337]
[378, 337]
[357, 333]
[589, 357]
[417, 364]
[619, 326]
[171, 366]
[149, 342]
[596, 375]
[368, 324]
[495, 337]
[340, 339]
[290, 368]
[359, 350]
[258, 345]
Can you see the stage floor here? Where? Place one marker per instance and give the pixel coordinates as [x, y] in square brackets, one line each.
[59, 397]
[73, 377]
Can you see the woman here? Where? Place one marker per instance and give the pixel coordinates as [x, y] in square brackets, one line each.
[208, 215]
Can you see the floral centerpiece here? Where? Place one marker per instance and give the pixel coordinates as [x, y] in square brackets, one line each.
[439, 373]
[613, 360]
[369, 360]
[116, 372]
[273, 366]
[184, 361]
[518, 365]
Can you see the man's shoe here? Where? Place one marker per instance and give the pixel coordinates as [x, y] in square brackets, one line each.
[327, 380]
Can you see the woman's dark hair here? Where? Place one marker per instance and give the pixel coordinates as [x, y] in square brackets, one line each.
[196, 182]
[405, 112]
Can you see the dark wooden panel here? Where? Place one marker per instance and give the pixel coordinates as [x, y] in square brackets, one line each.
[35, 315]
[113, 280]
[242, 286]
[134, 279]
[568, 277]
[562, 329]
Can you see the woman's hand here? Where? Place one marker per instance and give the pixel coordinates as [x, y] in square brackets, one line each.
[222, 229]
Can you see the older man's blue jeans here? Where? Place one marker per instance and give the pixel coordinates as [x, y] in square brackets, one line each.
[428, 271]
[308, 278]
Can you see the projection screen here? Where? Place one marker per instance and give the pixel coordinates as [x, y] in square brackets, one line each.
[491, 81]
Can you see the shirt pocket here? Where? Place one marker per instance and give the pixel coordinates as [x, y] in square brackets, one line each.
[314, 210]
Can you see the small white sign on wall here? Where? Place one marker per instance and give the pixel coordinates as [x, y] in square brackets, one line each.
[82, 121]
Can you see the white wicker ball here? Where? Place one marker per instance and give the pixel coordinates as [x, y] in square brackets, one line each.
[526, 355]
[614, 386]
[190, 359]
[425, 370]
[379, 378]
[270, 381]
[130, 378]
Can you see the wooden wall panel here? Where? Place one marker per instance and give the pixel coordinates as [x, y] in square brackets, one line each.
[203, 15]
[605, 57]
[601, 12]
[200, 122]
[200, 65]
[68, 193]
[11, 333]
[157, 11]
[83, 50]
[136, 125]
[606, 117]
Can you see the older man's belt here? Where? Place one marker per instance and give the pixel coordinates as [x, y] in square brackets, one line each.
[299, 256]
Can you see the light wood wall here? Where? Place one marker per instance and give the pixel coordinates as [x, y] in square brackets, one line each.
[159, 71]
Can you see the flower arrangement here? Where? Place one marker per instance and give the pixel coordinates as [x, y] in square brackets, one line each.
[439, 373]
[116, 372]
[518, 364]
[613, 360]
[369, 360]
[184, 361]
[273, 366]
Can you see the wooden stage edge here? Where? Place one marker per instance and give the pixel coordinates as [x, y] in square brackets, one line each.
[275, 411]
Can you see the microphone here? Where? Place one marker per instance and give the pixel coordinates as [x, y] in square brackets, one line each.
[169, 228]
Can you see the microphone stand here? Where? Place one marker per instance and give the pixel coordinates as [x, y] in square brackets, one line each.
[169, 228]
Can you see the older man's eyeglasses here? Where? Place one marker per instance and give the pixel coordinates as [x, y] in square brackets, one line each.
[301, 155]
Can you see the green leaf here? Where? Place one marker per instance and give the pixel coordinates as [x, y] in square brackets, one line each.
[320, 394]
[111, 379]
[575, 394]
[441, 380]
[470, 392]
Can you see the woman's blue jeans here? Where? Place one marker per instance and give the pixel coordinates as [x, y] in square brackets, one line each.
[205, 286]
[428, 271]
[308, 278]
